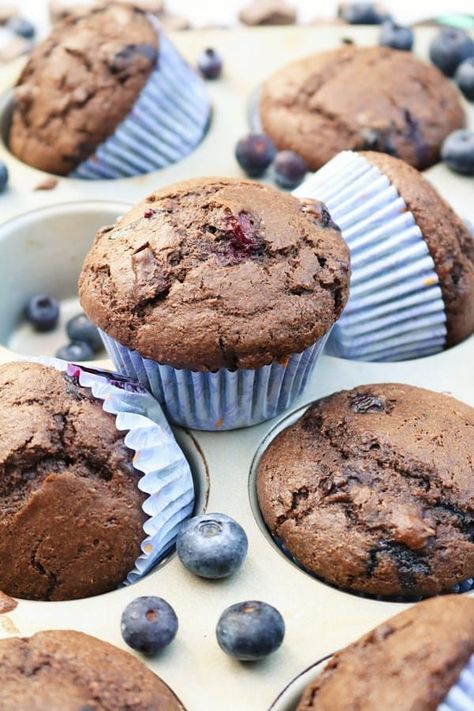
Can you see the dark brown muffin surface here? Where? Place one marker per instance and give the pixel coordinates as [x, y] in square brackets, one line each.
[372, 490]
[79, 84]
[449, 240]
[215, 273]
[408, 663]
[372, 98]
[71, 671]
[70, 509]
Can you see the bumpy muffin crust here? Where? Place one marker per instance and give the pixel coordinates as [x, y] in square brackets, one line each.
[362, 99]
[216, 273]
[79, 84]
[71, 671]
[371, 490]
[449, 240]
[70, 509]
[408, 663]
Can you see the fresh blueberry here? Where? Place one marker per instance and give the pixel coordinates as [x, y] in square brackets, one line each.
[149, 624]
[465, 78]
[458, 151]
[42, 311]
[254, 153]
[449, 48]
[22, 27]
[75, 351]
[212, 545]
[396, 36]
[290, 169]
[250, 630]
[363, 13]
[80, 328]
[3, 177]
[209, 64]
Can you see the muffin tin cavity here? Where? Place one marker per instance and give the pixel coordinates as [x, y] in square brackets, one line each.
[42, 252]
[290, 696]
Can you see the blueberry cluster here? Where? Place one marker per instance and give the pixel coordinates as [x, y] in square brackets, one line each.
[256, 152]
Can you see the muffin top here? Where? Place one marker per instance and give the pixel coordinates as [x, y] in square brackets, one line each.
[70, 671]
[79, 84]
[372, 98]
[408, 663]
[215, 273]
[448, 238]
[71, 521]
[372, 490]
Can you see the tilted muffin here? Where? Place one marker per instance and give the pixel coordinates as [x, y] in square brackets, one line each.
[64, 670]
[71, 518]
[371, 490]
[79, 88]
[408, 663]
[412, 284]
[218, 275]
[357, 98]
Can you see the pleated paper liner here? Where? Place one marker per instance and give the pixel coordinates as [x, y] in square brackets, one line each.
[167, 122]
[395, 309]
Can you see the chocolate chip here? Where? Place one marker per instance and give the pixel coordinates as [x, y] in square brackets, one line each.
[364, 402]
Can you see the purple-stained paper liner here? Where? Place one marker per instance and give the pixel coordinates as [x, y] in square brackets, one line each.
[223, 400]
[461, 695]
[167, 478]
[395, 309]
[168, 120]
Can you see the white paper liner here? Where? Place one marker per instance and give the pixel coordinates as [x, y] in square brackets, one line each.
[167, 478]
[223, 400]
[395, 309]
[168, 120]
[461, 695]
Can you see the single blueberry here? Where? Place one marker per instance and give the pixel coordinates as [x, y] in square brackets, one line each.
[449, 48]
[363, 13]
[22, 27]
[209, 64]
[290, 169]
[212, 545]
[396, 36]
[250, 630]
[3, 177]
[149, 624]
[254, 153]
[465, 78]
[42, 311]
[75, 351]
[79, 328]
[457, 151]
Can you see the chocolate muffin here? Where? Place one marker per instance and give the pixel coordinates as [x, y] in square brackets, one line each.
[371, 490]
[71, 521]
[372, 98]
[449, 241]
[70, 671]
[408, 663]
[79, 84]
[217, 273]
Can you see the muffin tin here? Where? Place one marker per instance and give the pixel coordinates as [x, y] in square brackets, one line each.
[44, 247]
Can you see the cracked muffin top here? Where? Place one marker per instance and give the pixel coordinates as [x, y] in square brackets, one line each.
[216, 273]
[373, 98]
[71, 521]
[64, 670]
[79, 84]
[372, 490]
[408, 663]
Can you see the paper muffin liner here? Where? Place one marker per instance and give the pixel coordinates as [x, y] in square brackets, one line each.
[166, 476]
[222, 400]
[461, 695]
[168, 120]
[395, 309]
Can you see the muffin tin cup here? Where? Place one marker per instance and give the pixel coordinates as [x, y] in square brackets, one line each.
[395, 309]
[168, 120]
[167, 478]
[223, 400]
